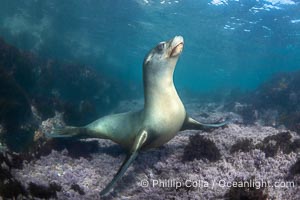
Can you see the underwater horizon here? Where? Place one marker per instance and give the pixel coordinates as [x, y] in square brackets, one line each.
[229, 44]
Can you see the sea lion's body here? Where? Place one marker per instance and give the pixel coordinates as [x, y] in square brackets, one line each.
[120, 128]
[158, 122]
[163, 121]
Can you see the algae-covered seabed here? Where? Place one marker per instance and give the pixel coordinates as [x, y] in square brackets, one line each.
[268, 155]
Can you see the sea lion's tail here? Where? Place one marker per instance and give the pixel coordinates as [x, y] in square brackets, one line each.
[68, 131]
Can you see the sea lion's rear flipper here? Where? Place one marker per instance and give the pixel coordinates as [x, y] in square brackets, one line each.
[139, 141]
[192, 124]
[68, 131]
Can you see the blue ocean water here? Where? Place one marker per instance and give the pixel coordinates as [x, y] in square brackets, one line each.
[228, 43]
[86, 62]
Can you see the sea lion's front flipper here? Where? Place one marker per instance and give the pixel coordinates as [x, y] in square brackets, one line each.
[192, 124]
[139, 141]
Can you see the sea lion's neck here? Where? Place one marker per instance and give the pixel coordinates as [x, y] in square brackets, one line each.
[159, 88]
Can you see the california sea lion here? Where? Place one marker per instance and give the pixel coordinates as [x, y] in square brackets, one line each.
[162, 117]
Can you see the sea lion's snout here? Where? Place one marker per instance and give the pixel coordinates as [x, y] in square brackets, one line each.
[176, 46]
[164, 51]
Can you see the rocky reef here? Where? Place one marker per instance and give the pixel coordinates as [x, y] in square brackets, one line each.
[9, 186]
[32, 89]
[256, 156]
[274, 103]
[235, 162]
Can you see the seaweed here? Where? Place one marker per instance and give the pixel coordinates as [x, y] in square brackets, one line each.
[9, 186]
[271, 145]
[295, 169]
[44, 192]
[32, 89]
[249, 192]
[201, 148]
[78, 189]
[15, 113]
[295, 145]
[244, 145]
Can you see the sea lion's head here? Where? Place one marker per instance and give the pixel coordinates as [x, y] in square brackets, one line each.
[164, 55]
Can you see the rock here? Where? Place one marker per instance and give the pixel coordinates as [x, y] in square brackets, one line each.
[200, 177]
[274, 103]
[32, 89]
[9, 187]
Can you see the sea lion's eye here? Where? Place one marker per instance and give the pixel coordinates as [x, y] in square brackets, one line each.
[161, 46]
